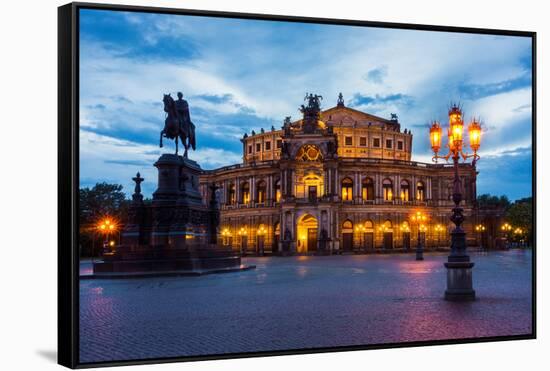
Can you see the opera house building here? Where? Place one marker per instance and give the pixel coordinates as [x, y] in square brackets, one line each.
[336, 181]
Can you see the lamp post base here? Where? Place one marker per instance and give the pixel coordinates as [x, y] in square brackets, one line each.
[459, 282]
[419, 255]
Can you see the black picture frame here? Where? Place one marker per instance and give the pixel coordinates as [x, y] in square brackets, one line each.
[68, 179]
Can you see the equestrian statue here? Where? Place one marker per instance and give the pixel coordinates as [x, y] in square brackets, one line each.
[178, 123]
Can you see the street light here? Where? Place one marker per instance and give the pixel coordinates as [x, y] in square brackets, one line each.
[243, 233]
[459, 266]
[506, 228]
[405, 229]
[438, 229]
[419, 219]
[107, 226]
[261, 233]
[480, 228]
[361, 230]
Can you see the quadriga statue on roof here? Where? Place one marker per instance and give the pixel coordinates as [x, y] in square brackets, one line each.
[178, 123]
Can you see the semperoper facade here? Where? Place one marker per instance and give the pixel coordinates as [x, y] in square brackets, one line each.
[338, 180]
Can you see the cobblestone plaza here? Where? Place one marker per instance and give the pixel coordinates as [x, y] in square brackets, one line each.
[302, 302]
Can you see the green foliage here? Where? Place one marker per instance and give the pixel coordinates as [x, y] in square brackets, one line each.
[520, 214]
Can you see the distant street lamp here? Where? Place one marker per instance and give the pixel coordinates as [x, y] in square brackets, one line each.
[480, 228]
[106, 227]
[438, 229]
[459, 266]
[361, 230]
[506, 228]
[419, 219]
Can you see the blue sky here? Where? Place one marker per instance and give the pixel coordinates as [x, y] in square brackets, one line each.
[241, 75]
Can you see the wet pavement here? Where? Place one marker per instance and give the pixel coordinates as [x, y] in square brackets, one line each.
[301, 302]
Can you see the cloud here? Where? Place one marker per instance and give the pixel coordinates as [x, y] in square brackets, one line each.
[377, 75]
[242, 75]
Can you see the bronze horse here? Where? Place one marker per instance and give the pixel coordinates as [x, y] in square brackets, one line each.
[177, 127]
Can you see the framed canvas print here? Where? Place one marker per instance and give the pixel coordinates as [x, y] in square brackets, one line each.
[236, 185]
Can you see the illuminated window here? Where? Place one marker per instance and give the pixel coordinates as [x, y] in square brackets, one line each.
[309, 152]
[245, 193]
[231, 194]
[367, 189]
[348, 141]
[405, 191]
[347, 189]
[363, 141]
[387, 187]
[376, 142]
[420, 191]
[347, 224]
[260, 191]
[268, 146]
[278, 190]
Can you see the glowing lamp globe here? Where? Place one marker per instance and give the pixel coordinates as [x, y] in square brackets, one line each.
[435, 136]
[474, 130]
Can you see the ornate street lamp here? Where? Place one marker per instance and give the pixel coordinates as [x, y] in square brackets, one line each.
[506, 228]
[459, 266]
[419, 218]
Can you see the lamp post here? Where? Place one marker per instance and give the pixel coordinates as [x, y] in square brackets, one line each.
[438, 230]
[480, 228]
[506, 228]
[405, 229]
[243, 236]
[106, 227]
[361, 230]
[459, 266]
[519, 233]
[261, 233]
[419, 218]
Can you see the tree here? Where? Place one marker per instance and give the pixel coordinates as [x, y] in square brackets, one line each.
[488, 201]
[520, 214]
[101, 201]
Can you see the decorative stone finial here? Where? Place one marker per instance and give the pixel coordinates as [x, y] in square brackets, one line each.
[340, 102]
[137, 196]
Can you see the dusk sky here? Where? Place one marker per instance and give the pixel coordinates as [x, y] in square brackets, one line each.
[242, 75]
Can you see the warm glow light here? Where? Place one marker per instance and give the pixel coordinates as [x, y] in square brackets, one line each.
[456, 127]
[435, 136]
[474, 130]
[112, 243]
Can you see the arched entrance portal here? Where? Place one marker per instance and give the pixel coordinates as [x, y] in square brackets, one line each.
[307, 234]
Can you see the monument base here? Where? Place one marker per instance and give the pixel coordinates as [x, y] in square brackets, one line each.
[150, 260]
[459, 282]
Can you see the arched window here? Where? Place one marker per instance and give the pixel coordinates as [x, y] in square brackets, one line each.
[347, 224]
[277, 190]
[405, 191]
[347, 189]
[260, 191]
[388, 226]
[420, 191]
[367, 189]
[369, 225]
[231, 194]
[387, 187]
[245, 193]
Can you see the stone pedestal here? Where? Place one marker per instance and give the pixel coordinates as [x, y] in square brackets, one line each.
[171, 234]
[459, 281]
